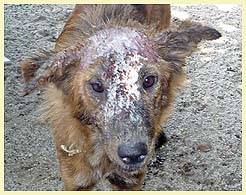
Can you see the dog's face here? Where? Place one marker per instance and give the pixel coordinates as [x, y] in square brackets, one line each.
[119, 82]
[127, 86]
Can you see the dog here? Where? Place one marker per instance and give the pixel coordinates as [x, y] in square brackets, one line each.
[110, 84]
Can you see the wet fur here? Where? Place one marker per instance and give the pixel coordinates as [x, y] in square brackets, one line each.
[70, 118]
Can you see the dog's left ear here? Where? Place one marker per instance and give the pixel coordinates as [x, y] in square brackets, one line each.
[175, 46]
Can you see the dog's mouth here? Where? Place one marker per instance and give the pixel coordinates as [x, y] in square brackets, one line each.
[130, 168]
[119, 165]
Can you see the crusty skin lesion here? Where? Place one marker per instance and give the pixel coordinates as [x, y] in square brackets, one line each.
[106, 41]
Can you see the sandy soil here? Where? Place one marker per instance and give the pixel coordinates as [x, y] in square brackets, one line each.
[204, 131]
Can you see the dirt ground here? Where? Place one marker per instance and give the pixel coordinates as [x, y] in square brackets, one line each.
[203, 151]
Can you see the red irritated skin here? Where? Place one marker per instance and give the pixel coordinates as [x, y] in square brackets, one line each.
[110, 85]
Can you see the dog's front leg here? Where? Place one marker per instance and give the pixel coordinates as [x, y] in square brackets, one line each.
[76, 174]
[77, 180]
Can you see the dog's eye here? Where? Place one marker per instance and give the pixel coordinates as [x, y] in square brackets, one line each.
[149, 81]
[97, 86]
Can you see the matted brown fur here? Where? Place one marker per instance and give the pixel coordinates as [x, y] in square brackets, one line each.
[86, 142]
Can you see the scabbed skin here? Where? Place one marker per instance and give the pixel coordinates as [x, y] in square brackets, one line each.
[109, 44]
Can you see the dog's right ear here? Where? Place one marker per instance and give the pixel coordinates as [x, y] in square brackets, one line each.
[47, 67]
[30, 66]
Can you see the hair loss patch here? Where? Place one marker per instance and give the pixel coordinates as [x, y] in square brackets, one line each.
[121, 40]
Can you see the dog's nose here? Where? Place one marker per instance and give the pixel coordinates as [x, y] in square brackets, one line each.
[132, 153]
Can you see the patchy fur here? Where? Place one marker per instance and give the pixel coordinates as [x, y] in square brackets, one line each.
[110, 85]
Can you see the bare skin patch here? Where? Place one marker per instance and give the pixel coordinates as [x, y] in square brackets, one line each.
[123, 89]
[119, 40]
[125, 50]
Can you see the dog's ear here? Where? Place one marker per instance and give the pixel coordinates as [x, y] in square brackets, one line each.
[48, 67]
[175, 46]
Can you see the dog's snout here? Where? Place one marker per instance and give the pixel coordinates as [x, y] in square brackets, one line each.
[132, 153]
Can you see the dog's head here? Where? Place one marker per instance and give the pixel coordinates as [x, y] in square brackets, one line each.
[120, 82]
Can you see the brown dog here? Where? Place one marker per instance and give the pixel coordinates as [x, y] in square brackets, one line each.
[110, 85]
